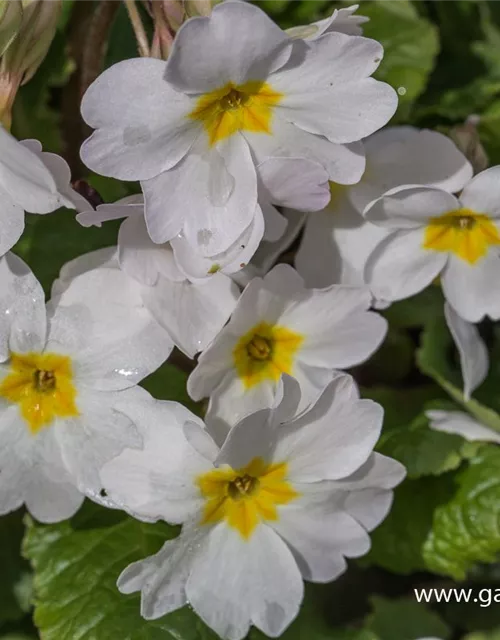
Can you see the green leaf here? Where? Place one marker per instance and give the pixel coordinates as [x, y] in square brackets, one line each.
[398, 543]
[410, 43]
[50, 241]
[314, 620]
[15, 571]
[405, 620]
[466, 530]
[169, 383]
[416, 311]
[489, 635]
[402, 407]
[351, 634]
[433, 359]
[424, 451]
[76, 567]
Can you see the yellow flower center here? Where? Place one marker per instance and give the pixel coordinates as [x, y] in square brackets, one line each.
[463, 232]
[42, 385]
[232, 108]
[265, 352]
[243, 498]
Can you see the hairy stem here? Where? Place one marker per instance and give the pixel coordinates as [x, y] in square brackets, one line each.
[138, 27]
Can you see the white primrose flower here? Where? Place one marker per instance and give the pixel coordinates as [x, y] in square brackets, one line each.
[473, 353]
[192, 314]
[25, 185]
[277, 327]
[433, 233]
[235, 91]
[61, 174]
[462, 424]
[285, 499]
[67, 385]
[342, 21]
[340, 234]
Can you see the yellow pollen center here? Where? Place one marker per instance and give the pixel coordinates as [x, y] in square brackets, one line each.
[243, 498]
[44, 381]
[463, 232]
[233, 100]
[42, 385]
[242, 487]
[466, 222]
[232, 108]
[265, 352]
[259, 348]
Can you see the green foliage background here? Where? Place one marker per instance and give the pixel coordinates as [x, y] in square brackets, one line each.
[57, 582]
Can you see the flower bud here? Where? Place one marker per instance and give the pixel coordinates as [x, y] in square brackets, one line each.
[27, 28]
[38, 27]
[199, 7]
[11, 15]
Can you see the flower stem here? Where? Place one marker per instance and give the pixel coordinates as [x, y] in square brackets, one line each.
[138, 27]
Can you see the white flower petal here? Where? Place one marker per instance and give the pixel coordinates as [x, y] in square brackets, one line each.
[473, 353]
[343, 163]
[16, 459]
[138, 138]
[156, 482]
[236, 582]
[339, 331]
[24, 177]
[50, 501]
[162, 577]
[317, 240]
[346, 114]
[11, 221]
[378, 472]
[115, 338]
[200, 440]
[320, 532]
[140, 257]
[482, 194]
[295, 182]
[198, 268]
[369, 507]
[327, 63]
[33, 471]
[472, 289]
[275, 223]
[462, 424]
[231, 402]
[268, 252]
[126, 207]
[341, 21]
[334, 438]
[410, 208]
[406, 155]
[99, 433]
[23, 321]
[400, 267]
[213, 364]
[244, 44]
[192, 314]
[181, 198]
[61, 173]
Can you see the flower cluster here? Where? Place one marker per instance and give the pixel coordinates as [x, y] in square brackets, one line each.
[267, 135]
